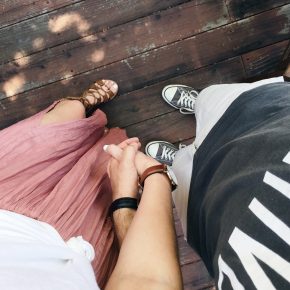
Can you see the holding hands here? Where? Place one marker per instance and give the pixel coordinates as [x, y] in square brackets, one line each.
[146, 238]
[125, 166]
[124, 169]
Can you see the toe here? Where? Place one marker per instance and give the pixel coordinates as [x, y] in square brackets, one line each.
[110, 86]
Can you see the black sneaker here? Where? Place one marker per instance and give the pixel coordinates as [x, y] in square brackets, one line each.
[163, 152]
[180, 97]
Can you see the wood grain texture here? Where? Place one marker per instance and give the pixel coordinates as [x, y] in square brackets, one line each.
[72, 22]
[178, 229]
[126, 109]
[113, 45]
[195, 276]
[180, 57]
[147, 103]
[239, 9]
[14, 11]
[186, 253]
[264, 60]
[171, 127]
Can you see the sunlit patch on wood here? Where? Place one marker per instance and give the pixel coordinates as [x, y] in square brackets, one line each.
[21, 59]
[67, 75]
[13, 98]
[38, 43]
[98, 55]
[66, 80]
[90, 38]
[68, 21]
[14, 85]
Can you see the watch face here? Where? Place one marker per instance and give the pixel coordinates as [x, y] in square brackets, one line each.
[172, 175]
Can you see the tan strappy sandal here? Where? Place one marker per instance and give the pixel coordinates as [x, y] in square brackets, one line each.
[100, 92]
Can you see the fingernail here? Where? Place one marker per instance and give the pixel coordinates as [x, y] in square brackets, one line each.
[105, 147]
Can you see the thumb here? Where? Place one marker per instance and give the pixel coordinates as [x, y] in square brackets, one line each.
[114, 151]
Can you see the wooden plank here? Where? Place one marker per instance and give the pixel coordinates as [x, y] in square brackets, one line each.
[72, 22]
[280, 68]
[12, 12]
[175, 215]
[186, 254]
[178, 229]
[286, 56]
[264, 60]
[147, 102]
[114, 45]
[171, 127]
[127, 109]
[183, 56]
[196, 52]
[195, 276]
[241, 9]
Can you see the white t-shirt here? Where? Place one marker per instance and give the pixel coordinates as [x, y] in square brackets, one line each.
[33, 256]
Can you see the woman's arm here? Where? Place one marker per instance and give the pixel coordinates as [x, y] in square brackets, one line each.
[122, 218]
[148, 257]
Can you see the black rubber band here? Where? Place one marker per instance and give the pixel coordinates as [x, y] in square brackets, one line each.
[124, 202]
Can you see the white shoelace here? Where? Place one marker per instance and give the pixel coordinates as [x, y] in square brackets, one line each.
[187, 101]
[168, 154]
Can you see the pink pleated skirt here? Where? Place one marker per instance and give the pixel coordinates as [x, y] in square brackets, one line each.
[57, 174]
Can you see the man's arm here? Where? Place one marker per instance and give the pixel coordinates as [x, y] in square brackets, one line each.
[148, 256]
[122, 220]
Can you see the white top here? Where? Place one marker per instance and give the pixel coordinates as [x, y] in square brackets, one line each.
[33, 256]
[211, 104]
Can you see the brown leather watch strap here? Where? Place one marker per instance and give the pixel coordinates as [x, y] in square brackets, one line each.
[161, 168]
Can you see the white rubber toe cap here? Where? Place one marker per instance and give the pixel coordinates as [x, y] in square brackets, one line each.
[152, 149]
[169, 93]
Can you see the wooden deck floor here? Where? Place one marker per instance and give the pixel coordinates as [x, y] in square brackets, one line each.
[53, 48]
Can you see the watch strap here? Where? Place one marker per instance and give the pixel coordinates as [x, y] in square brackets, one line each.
[161, 168]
